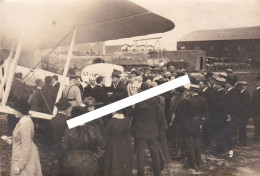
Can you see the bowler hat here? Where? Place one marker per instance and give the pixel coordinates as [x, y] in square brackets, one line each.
[63, 104]
[22, 106]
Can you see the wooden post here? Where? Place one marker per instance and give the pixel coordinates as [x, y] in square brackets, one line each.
[12, 70]
[6, 70]
[66, 69]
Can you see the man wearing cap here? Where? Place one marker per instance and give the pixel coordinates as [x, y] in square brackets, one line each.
[220, 119]
[256, 109]
[232, 109]
[245, 111]
[146, 130]
[230, 75]
[88, 90]
[58, 127]
[118, 90]
[73, 93]
[206, 92]
[194, 118]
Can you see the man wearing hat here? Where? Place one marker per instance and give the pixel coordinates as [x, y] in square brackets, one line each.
[256, 109]
[73, 93]
[220, 119]
[58, 126]
[245, 111]
[230, 75]
[194, 118]
[206, 92]
[232, 110]
[118, 90]
[146, 130]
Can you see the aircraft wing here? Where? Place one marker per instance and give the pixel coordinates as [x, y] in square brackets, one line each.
[44, 23]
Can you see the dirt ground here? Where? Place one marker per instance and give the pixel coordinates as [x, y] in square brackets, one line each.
[246, 160]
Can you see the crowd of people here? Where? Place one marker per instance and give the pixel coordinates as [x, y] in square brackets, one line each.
[208, 116]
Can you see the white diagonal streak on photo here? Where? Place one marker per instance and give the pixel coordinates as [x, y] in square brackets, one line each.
[108, 109]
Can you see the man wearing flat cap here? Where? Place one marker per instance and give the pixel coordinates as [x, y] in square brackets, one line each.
[232, 109]
[118, 90]
[220, 121]
[194, 119]
[256, 109]
[245, 112]
[230, 75]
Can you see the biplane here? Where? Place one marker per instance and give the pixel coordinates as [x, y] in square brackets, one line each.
[27, 26]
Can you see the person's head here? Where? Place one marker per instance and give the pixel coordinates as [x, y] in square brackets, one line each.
[229, 72]
[153, 84]
[171, 69]
[100, 80]
[144, 86]
[39, 83]
[18, 75]
[257, 81]
[48, 80]
[21, 108]
[115, 77]
[194, 89]
[63, 104]
[55, 78]
[77, 111]
[74, 79]
[92, 80]
[90, 103]
[180, 89]
[124, 76]
[164, 68]
[203, 84]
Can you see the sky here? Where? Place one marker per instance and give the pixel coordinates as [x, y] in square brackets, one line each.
[191, 15]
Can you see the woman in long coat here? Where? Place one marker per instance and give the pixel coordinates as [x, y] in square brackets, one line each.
[25, 156]
[118, 153]
[83, 147]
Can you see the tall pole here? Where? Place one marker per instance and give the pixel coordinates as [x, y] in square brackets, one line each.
[12, 70]
[66, 68]
[6, 70]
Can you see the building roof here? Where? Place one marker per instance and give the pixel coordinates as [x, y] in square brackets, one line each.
[223, 34]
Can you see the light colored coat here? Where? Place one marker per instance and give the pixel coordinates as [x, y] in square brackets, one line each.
[25, 154]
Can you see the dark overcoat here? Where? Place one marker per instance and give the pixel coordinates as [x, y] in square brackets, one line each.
[118, 154]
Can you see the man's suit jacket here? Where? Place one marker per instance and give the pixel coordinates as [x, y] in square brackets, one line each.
[49, 97]
[197, 113]
[146, 119]
[119, 92]
[245, 108]
[232, 102]
[37, 101]
[57, 85]
[100, 95]
[88, 91]
[219, 111]
[256, 103]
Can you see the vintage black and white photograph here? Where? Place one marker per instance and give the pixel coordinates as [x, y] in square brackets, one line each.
[129, 87]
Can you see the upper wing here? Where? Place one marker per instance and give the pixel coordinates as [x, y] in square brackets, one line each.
[45, 22]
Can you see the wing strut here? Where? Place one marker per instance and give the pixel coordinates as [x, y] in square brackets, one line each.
[12, 69]
[6, 70]
[66, 68]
